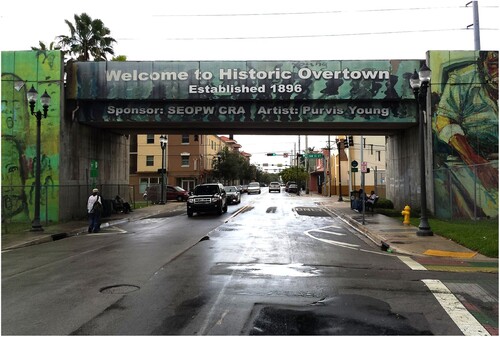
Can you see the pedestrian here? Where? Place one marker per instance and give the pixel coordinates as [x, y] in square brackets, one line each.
[370, 202]
[94, 209]
[125, 206]
[361, 199]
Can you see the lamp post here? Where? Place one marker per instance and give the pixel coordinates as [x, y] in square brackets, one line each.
[163, 144]
[419, 82]
[32, 96]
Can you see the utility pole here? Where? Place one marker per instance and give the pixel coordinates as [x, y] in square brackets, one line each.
[361, 146]
[307, 165]
[475, 24]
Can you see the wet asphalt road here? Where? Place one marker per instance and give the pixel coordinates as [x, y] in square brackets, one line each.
[275, 264]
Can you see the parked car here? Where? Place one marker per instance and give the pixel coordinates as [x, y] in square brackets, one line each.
[232, 194]
[177, 193]
[293, 188]
[253, 187]
[288, 184]
[274, 186]
[207, 198]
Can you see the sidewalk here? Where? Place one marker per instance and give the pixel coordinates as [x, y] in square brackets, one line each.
[388, 233]
[79, 227]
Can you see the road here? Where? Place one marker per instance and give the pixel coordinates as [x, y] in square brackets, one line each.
[274, 264]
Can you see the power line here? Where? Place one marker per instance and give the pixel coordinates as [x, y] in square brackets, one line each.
[314, 12]
[305, 36]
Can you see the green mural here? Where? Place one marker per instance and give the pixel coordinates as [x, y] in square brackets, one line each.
[21, 70]
[465, 127]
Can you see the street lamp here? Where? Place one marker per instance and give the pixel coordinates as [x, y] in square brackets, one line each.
[419, 83]
[32, 96]
[163, 144]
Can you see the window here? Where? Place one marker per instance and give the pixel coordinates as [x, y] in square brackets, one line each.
[185, 139]
[144, 183]
[185, 159]
[150, 160]
[150, 139]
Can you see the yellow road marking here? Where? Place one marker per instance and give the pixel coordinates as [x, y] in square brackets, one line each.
[465, 255]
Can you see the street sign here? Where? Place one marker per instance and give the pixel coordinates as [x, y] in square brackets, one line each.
[314, 155]
[354, 163]
[94, 169]
[363, 166]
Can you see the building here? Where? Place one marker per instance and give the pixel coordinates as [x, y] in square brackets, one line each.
[189, 160]
[341, 167]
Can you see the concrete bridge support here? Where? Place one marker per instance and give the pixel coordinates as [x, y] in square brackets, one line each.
[403, 173]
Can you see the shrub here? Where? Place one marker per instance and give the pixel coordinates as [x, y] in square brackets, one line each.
[384, 203]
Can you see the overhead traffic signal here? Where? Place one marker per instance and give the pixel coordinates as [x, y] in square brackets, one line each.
[270, 154]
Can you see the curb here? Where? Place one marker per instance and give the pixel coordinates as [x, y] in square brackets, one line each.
[375, 238]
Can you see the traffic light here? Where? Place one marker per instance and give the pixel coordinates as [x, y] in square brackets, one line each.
[346, 144]
[351, 141]
[271, 154]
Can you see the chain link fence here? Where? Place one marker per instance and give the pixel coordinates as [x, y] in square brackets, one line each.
[466, 192]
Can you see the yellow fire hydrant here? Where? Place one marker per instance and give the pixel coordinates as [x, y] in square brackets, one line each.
[406, 215]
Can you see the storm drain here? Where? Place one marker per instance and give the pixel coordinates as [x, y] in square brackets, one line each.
[119, 289]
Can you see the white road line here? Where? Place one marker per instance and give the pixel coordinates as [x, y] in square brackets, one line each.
[414, 265]
[457, 312]
[327, 232]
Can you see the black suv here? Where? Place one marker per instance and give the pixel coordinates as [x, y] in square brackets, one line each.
[207, 198]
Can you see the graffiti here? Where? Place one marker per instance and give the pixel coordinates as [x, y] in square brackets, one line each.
[19, 136]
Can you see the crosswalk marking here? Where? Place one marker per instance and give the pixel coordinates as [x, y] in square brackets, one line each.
[414, 265]
[455, 309]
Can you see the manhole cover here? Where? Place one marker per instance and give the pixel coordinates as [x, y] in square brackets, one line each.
[119, 289]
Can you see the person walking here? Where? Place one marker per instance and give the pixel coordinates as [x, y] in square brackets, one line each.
[94, 209]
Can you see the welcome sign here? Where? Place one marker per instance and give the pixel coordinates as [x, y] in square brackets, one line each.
[244, 91]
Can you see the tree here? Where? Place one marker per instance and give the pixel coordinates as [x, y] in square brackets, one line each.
[119, 58]
[43, 47]
[88, 40]
[296, 174]
[42, 50]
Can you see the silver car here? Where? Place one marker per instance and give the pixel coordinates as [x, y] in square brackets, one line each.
[253, 188]
[274, 186]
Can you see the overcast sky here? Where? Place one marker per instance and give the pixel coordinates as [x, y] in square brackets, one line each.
[261, 30]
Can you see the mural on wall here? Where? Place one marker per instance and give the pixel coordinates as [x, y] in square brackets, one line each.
[21, 70]
[465, 129]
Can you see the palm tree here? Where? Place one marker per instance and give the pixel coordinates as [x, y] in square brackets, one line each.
[42, 50]
[89, 39]
[43, 47]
